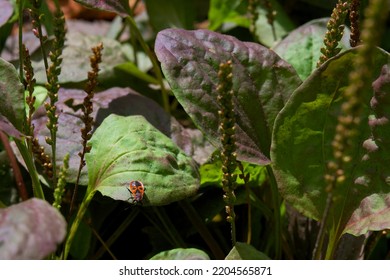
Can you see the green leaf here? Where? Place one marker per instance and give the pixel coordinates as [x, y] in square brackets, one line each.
[129, 148]
[181, 254]
[132, 69]
[243, 251]
[302, 47]
[303, 133]
[282, 24]
[121, 7]
[11, 95]
[120, 101]
[221, 11]
[30, 230]
[211, 173]
[261, 80]
[171, 13]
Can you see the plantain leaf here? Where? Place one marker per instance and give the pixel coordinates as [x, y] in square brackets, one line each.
[222, 11]
[30, 230]
[302, 47]
[174, 13]
[76, 55]
[243, 251]
[11, 95]
[6, 11]
[120, 7]
[181, 254]
[373, 212]
[261, 80]
[267, 34]
[303, 133]
[129, 148]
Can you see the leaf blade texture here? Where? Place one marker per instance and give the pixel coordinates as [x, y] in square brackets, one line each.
[262, 82]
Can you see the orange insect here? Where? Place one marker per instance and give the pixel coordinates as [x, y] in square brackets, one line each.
[137, 190]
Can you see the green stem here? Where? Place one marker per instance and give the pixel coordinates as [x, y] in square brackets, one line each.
[36, 184]
[21, 59]
[75, 225]
[276, 204]
[153, 59]
[317, 252]
[233, 225]
[41, 42]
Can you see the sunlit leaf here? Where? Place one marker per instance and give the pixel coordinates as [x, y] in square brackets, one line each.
[304, 131]
[129, 148]
[269, 34]
[261, 80]
[120, 101]
[181, 254]
[302, 46]
[222, 11]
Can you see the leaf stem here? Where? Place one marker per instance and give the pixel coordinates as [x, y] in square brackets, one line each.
[75, 225]
[20, 35]
[27, 157]
[153, 59]
[276, 204]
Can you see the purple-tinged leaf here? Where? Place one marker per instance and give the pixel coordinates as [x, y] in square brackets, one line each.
[262, 83]
[373, 214]
[11, 95]
[7, 10]
[8, 128]
[119, 101]
[30, 230]
[120, 7]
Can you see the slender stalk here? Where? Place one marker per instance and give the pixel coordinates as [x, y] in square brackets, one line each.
[15, 167]
[27, 157]
[20, 38]
[75, 225]
[317, 252]
[156, 67]
[102, 242]
[276, 204]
